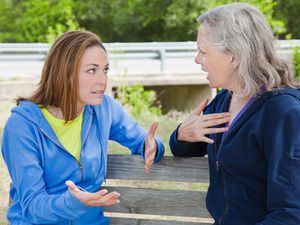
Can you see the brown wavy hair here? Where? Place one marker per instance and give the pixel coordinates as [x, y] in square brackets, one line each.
[58, 86]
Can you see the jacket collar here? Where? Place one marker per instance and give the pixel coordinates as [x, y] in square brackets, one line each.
[30, 111]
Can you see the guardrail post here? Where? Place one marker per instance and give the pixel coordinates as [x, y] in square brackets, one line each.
[162, 56]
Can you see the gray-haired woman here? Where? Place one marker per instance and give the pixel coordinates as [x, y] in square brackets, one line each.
[250, 131]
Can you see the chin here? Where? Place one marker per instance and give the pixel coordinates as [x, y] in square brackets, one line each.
[212, 85]
[95, 102]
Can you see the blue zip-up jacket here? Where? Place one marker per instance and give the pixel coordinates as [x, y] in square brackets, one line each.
[39, 165]
[255, 169]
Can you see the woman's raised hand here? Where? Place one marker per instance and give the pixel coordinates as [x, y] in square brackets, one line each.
[150, 147]
[197, 125]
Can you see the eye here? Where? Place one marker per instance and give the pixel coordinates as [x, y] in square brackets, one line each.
[91, 71]
[106, 69]
[202, 52]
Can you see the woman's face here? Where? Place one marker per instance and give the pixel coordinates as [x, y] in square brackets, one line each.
[218, 65]
[92, 77]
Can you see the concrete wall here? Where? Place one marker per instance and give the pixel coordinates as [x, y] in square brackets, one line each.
[181, 97]
[174, 91]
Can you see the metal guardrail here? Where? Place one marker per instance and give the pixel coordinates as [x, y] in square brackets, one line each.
[143, 50]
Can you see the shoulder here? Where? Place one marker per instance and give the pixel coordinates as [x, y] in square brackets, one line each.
[23, 122]
[282, 101]
[25, 112]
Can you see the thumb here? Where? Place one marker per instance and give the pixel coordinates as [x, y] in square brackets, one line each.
[153, 128]
[200, 108]
[71, 185]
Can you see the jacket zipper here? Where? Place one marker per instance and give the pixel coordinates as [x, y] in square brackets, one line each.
[219, 169]
[226, 200]
[219, 172]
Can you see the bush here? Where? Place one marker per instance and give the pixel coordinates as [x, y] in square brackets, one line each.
[296, 61]
[139, 102]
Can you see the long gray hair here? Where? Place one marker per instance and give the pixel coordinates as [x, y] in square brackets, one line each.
[242, 30]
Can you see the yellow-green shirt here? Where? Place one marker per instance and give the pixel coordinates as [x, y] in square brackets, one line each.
[69, 134]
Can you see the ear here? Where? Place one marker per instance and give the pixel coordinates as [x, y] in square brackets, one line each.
[234, 61]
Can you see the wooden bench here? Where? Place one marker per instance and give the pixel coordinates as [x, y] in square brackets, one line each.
[150, 202]
[167, 207]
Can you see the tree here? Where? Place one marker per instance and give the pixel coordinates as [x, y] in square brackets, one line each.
[154, 20]
[288, 11]
[37, 20]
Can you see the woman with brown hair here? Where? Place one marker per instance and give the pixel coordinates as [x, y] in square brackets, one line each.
[55, 142]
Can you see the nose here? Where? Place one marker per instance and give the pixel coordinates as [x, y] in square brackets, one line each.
[101, 77]
[198, 58]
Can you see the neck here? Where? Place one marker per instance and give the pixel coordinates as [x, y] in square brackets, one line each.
[237, 99]
[55, 111]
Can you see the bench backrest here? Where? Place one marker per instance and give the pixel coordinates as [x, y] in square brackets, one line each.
[165, 205]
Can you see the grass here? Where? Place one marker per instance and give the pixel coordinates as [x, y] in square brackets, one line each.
[166, 125]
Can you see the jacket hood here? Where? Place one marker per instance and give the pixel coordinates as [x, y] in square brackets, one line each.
[286, 91]
[32, 112]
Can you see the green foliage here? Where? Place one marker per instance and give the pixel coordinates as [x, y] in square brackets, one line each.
[138, 101]
[124, 21]
[36, 20]
[156, 20]
[267, 8]
[296, 61]
[288, 11]
[6, 20]
[181, 19]
[128, 21]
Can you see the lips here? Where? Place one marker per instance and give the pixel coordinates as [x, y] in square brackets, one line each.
[98, 92]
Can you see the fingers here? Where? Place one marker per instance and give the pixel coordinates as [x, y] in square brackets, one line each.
[211, 123]
[149, 158]
[215, 130]
[153, 128]
[72, 187]
[103, 198]
[216, 116]
[100, 198]
[150, 147]
[148, 164]
[150, 140]
[196, 127]
[207, 140]
[200, 108]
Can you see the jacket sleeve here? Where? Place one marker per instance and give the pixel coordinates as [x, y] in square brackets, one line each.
[23, 157]
[128, 133]
[186, 149]
[282, 151]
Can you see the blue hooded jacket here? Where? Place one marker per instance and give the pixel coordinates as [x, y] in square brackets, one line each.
[39, 165]
[255, 169]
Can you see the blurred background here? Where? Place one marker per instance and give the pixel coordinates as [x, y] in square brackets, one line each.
[151, 44]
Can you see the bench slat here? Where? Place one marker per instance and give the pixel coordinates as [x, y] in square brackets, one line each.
[160, 202]
[130, 167]
[122, 221]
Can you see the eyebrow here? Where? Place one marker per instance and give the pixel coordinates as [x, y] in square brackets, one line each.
[96, 65]
[92, 64]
